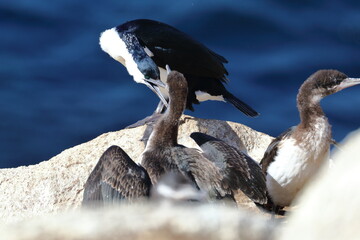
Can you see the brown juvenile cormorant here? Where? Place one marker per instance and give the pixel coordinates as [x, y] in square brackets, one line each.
[297, 155]
[163, 153]
[239, 171]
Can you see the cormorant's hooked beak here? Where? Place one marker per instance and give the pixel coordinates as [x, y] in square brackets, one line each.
[348, 82]
[154, 86]
[155, 82]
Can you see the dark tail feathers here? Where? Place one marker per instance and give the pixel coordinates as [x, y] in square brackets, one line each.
[243, 107]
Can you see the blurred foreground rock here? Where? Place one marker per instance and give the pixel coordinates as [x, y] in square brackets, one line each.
[57, 184]
[146, 222]
[329, 208]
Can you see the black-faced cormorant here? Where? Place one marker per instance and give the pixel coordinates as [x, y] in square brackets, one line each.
[297, 155]
[239, 171]
[145, 47]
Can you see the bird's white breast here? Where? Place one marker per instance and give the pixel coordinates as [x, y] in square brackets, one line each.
[296, 162]
[111, 43]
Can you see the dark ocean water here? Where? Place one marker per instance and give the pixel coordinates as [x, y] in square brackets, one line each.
[58, 89]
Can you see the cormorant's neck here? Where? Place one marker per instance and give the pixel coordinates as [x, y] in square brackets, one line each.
[166, 129]
[308, 103]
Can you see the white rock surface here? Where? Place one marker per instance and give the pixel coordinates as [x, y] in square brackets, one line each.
[57, 184]
[329, 208]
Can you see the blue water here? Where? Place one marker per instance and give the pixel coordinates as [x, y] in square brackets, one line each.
[58, 89]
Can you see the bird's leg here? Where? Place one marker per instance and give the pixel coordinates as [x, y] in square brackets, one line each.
[149, 120]
[278, 210]
[160, 108]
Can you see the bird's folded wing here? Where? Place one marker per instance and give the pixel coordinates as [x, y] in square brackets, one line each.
[240, 171]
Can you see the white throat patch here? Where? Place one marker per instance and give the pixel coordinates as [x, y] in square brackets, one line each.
[111, 43]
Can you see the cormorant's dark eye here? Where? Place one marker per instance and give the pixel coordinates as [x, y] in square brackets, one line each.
[338, 81]
[147, 77]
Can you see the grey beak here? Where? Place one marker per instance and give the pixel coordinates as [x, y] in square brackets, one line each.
[154, 86]
[348, 82]
[158, 83]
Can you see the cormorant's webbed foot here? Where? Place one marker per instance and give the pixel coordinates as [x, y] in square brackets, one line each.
[149, 120]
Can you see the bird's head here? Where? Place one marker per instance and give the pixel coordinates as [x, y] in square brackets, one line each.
[177, 85]
[176, 81]
[148, 68]
[325, 82]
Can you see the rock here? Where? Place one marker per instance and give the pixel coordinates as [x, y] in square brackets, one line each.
[57, 184]
[146, 221]
[329, 208]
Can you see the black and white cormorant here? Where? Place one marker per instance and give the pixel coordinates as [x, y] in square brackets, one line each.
[145, 47]
[297, 155]
[239, 171]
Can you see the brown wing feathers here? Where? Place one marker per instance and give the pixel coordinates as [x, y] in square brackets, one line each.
[116, 177]
[239, 171]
